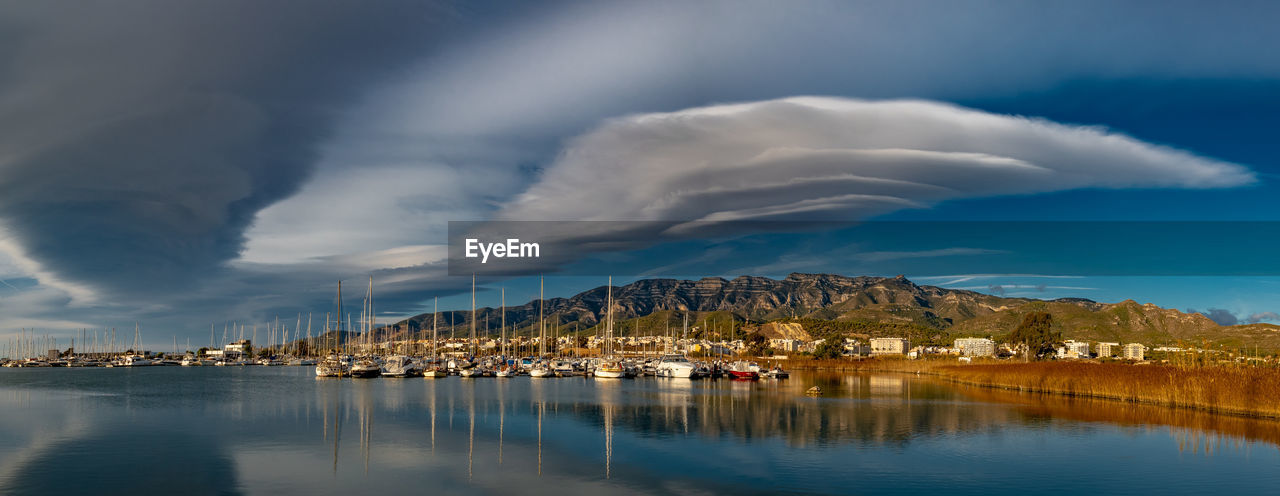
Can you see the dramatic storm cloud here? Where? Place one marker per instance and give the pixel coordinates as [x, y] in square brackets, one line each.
[139, 141]
[181, 162]
[834, 159]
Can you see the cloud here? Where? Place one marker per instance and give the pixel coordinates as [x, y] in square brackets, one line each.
[138, 143]
[228, 158]
[1262, 317]
[834, 160]
[1220, 316]
[1228, 318]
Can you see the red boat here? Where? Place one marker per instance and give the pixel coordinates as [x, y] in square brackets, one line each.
[744, 370]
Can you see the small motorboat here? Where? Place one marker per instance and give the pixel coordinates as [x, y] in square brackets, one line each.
[366, 367]
[777, 373]
[744, 370]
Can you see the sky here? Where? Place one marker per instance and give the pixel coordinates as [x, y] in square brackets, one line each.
[186, 164]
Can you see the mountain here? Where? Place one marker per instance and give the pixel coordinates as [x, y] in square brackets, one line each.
[747, 298]
[823, 305]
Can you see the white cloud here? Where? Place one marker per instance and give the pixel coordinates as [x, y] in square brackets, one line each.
[360, 210]
[15, 263]
[825, 159]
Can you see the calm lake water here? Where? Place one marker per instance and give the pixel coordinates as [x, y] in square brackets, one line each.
[279, 430]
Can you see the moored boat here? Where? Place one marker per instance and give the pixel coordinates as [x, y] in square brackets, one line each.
[744, 370]
[675, 365]
[400, 366]
[366, 367]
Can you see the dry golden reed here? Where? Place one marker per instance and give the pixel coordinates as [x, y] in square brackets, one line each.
[1220, 389]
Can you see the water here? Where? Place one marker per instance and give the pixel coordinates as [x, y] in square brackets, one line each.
[279, 430]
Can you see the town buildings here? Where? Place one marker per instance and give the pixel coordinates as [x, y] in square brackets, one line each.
[889, 346]
[982, 347]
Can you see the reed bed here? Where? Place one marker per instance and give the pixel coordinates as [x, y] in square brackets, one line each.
[1250, 391]
[1196, 430]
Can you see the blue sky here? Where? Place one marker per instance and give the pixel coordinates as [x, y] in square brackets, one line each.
[178, 165]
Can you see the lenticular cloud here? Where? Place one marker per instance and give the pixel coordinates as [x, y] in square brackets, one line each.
[834, 159]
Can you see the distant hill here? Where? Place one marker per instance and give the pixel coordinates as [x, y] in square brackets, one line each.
[746, 298]
[824, 305]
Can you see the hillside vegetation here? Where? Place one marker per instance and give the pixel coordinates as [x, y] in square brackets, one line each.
[826, 305]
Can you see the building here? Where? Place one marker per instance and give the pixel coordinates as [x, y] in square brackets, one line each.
[790, 345]
[1076, 349]
[237, 349]
[1134, 351]
[1107, 350]
[975, 347]
[889, 346]
[853, 347]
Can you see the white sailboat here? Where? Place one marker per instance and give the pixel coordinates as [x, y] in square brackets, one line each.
[136, 359]
[474, 370]
[433, 368]
[504, 370]
[333, 365]
[610, 368]
[540, 367]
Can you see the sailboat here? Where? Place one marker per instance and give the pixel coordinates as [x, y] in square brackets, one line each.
[367, 365]
[333, 365]
[474, 370]
[136, 359]
[397, 365]
[504, 370]
[610, 368]
[433, 368]
[540, 367]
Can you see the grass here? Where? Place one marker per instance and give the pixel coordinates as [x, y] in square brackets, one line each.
[1214, 388]
[1231, 389]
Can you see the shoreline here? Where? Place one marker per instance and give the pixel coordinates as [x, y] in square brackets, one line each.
[1223, 390]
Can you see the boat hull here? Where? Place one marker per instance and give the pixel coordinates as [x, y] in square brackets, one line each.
[609, 374]
[365, 373]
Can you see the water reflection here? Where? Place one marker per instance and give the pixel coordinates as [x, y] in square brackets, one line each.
[1195, 431]
[264, 431]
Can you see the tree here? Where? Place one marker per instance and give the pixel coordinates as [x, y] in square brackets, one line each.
[1036, 333]
[831, 348]
[755, 344]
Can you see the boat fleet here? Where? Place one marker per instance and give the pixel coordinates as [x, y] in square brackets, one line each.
[543, 365]
[433, 364]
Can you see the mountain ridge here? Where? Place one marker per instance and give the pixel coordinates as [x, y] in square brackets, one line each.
[931, 313]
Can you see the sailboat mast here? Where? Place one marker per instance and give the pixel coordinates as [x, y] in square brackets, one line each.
[473, 315]
[338, 335]
[369, 314]
[502, 335]
[542, 327]
[608, 327]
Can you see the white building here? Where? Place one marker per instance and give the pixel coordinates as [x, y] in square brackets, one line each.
[791, 345]
[889, 346]
[1134, 351]
[1106, 350]
[1076, 349]
[975, 347]
[237, 349]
